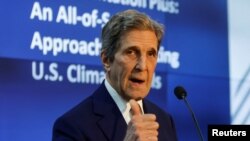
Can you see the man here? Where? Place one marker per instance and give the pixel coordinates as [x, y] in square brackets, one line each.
[117, 110]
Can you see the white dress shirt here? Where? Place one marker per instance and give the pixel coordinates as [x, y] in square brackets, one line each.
[122, 104]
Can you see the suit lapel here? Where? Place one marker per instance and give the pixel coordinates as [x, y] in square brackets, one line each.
[112, 123]
[147, 108]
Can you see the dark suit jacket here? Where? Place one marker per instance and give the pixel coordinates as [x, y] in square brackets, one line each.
[97, 118]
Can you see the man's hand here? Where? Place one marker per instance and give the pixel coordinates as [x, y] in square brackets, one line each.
[142, 127]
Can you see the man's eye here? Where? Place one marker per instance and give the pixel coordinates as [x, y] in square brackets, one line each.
[130, 52]
[152, 53]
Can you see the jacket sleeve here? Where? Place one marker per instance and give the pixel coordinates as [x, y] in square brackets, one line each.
[64, 130]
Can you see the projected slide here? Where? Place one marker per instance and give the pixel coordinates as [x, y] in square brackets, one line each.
[49, 62]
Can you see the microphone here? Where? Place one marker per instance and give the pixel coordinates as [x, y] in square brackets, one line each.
[181, 93]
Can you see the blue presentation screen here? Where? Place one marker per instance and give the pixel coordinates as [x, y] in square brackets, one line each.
[50, 61]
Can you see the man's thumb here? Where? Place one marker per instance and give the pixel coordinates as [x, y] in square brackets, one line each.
[135, 107]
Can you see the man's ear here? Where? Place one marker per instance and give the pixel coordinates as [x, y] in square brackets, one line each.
[105, 62]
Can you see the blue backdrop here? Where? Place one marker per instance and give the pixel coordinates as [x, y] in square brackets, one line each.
[49, 61]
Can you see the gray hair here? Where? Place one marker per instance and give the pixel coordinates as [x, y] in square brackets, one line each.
[123, 22]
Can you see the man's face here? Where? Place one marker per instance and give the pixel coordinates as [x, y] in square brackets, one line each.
[131, 72]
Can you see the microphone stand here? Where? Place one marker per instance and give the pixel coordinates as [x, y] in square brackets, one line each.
[194, 118]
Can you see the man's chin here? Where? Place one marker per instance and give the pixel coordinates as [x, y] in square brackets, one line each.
[137, 97]
[134, 94]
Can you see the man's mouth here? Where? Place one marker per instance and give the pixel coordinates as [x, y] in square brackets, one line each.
[135, 80]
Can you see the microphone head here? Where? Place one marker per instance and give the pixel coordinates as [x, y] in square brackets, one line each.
[180, 92]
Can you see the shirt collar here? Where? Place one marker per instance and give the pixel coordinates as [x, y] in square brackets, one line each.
[120, 102]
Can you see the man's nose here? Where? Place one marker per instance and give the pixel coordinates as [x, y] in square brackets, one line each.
[141, 63]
